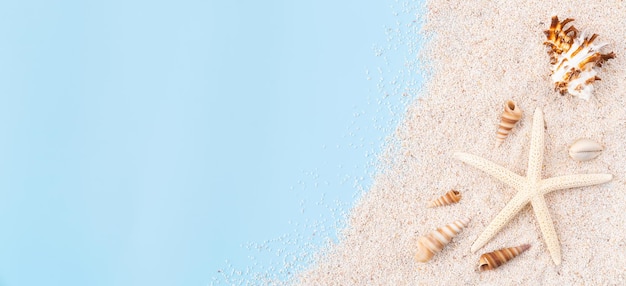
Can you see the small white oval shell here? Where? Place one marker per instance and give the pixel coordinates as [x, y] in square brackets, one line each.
[585, 149]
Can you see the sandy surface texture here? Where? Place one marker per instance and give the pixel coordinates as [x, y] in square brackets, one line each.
[482, 53]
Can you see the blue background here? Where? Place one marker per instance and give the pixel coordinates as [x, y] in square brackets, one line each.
[186, 142]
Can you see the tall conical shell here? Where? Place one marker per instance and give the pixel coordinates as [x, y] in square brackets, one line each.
[574, 57]
[493, 260]
[449, 198]
[511, 115]
[434, 242]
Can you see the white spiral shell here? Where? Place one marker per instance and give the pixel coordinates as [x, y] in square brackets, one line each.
[435, 241]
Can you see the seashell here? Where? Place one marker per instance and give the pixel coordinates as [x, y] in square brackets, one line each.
[585, 149]
[510, 116]
[573, 57]
[434, 242]
[493, 260]
[451, 197]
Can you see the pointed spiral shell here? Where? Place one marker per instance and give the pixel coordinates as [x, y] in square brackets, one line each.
[510, 116]
[493, 260]
[434, 242]
[573, 57]
[449, 198]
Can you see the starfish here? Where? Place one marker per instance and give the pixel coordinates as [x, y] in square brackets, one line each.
[530, 189]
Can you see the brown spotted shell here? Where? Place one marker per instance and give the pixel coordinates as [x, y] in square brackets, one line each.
[493, 260]
[449, 198]
[435, 241]
[510, 116]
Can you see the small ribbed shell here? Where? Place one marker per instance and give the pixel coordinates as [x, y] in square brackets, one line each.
[434, 242]
[511, 115]
[493, 260]
[449, 198]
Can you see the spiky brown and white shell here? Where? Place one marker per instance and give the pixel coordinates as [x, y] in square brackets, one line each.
[573, 57]
[510, 116]
[493, 260]
[435, 241]
[451, 197]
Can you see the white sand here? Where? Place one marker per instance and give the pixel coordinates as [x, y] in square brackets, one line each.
[483, 53]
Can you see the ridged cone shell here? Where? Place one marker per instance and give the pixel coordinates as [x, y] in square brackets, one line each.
[493, 260]
[435, 241]
[511, 115]
[449, 198]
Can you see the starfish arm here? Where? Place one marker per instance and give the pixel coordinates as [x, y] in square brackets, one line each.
[547, 228]
[505, 215]
[572, 181]
[535, 154]
[514, 180]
